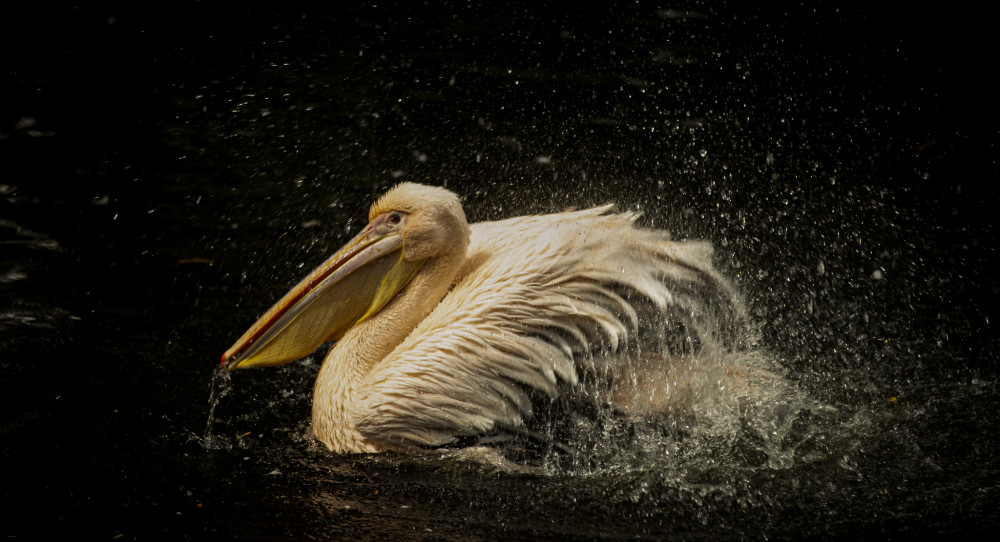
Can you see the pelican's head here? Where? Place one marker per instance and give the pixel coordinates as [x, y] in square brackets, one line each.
[408, 226]
[435, 221]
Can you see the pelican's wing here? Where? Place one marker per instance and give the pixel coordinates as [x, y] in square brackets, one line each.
[536, 297]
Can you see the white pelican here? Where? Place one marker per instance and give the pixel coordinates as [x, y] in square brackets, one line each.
[444, 330]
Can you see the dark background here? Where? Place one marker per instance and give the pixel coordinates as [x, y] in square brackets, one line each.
[167, 171]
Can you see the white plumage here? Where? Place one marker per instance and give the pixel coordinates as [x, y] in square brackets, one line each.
[496, 312]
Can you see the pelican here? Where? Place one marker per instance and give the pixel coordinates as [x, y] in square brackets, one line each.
[443, 330]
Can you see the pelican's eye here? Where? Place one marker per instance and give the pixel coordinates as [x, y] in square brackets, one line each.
[395, 218]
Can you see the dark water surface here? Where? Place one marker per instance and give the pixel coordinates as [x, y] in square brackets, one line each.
[165, 175]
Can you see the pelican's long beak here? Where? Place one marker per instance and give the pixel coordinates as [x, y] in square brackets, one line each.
[350, 286]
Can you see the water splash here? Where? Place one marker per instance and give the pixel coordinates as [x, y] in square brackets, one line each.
[221, 385]
[695, 397]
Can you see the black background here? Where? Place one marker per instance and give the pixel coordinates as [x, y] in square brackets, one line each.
[162, 169]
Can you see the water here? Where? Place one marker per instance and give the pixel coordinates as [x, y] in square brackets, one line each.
[161, 188]
[222, 384]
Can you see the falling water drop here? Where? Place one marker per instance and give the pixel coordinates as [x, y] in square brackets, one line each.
[221, 385]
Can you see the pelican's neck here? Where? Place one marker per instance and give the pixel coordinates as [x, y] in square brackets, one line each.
[352, 357]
